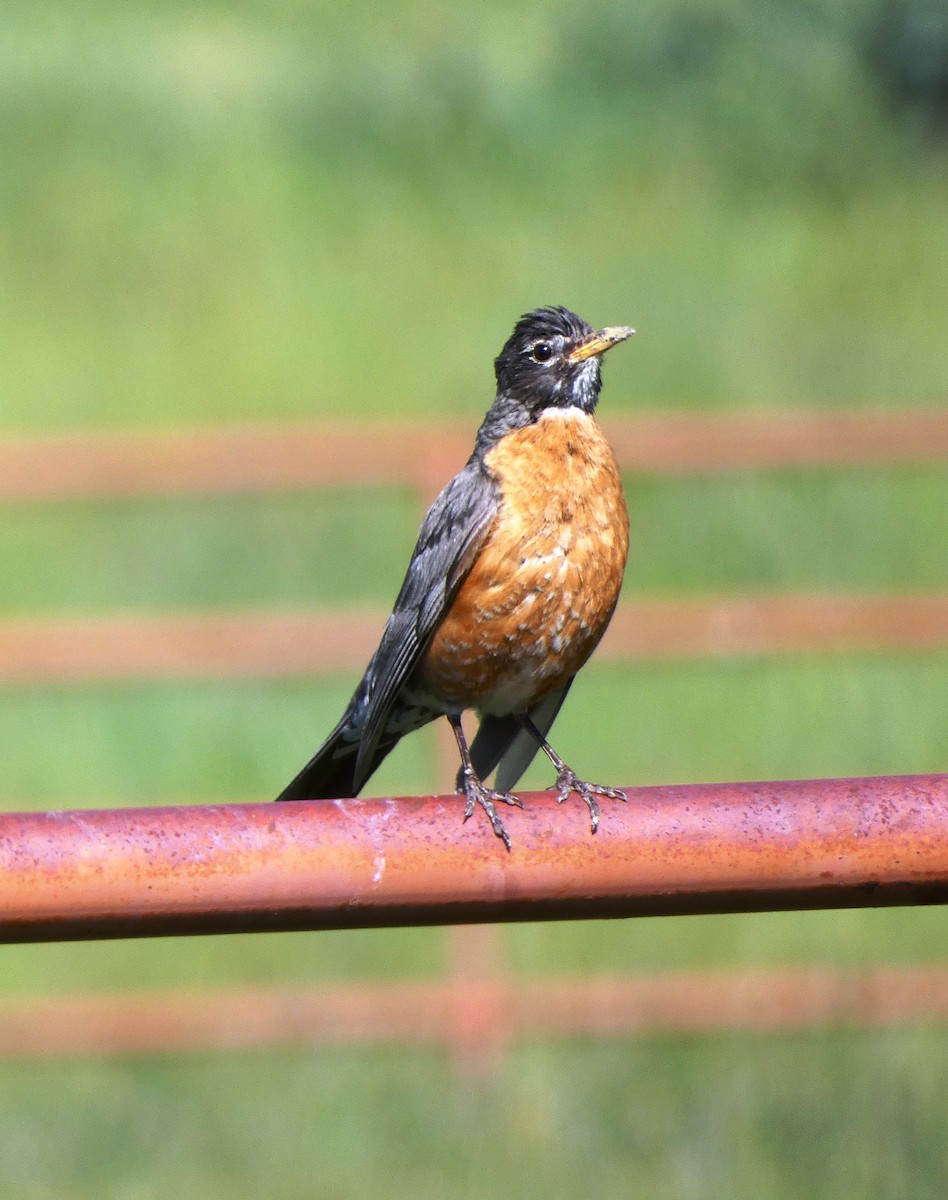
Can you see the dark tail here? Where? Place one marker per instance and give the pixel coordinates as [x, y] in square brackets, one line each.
[331, 773]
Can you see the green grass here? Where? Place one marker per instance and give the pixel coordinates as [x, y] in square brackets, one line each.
[695, 1118]
[293, 314]
[655, 723]
[857, 530]
[183, 553]
[278, 211]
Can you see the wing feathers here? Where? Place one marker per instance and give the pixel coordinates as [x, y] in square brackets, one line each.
[451, 535]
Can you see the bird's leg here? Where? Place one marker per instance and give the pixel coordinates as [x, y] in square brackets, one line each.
[476, 791]
[568, 781]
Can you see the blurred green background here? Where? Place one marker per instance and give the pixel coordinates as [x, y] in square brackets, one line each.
[287, 210]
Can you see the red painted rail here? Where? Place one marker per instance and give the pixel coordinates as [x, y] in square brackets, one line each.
[360, 863]
[472, 1016]
[264, 644]
[261, 457]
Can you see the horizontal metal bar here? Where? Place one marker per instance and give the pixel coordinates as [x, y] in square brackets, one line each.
[373, 862]
[257, 457]
[471, 1015]
[263, 644]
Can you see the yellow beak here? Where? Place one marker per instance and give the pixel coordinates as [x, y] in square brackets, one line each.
[599, 342]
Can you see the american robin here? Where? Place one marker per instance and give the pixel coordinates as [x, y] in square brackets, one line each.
[511, 585]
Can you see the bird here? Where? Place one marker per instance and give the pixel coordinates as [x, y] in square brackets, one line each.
[513, 580]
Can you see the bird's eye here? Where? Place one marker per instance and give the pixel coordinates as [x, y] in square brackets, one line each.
[541, 352]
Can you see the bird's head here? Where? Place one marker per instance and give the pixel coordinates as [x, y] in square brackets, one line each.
[551, 360]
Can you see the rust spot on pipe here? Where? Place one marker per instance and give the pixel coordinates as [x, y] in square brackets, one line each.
[371, 862]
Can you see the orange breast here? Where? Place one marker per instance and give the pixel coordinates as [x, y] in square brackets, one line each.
[540, 595]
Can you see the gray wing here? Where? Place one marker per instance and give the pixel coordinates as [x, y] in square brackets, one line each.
[448, 543]
[504, 740]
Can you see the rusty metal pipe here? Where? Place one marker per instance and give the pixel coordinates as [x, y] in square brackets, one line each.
[371, 862]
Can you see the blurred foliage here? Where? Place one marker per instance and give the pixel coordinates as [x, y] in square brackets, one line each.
[906, 48]
[288, 209]
[765, 94]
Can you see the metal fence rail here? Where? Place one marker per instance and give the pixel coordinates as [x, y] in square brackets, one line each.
[471, 1017]
[716, 848]
[283, 457]
[361, 863]
[222, 645]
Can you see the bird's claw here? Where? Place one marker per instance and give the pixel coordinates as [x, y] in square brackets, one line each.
[479, 793]
[568, 781]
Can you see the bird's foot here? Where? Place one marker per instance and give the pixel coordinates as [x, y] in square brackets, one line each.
[479, 793]
[568, 781]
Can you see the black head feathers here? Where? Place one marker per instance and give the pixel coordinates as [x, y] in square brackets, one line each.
[551, 360]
